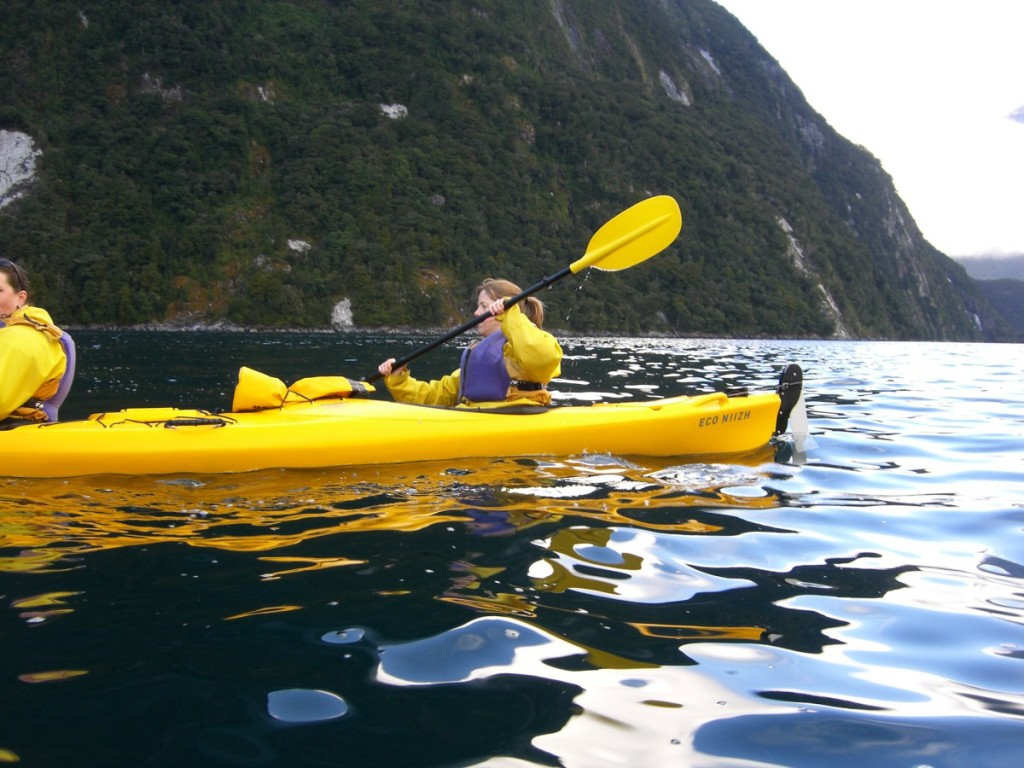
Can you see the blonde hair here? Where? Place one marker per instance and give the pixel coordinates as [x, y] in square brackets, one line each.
[532, 307]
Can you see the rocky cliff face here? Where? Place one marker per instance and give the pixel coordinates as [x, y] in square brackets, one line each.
[18, 156]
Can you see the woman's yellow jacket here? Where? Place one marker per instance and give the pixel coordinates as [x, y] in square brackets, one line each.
[531, 354]
[32, 361]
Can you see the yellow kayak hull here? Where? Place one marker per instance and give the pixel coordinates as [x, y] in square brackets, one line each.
[355, 431]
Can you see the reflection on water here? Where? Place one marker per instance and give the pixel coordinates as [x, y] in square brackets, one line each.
[860, 604]
[302, 706]
[53, 522]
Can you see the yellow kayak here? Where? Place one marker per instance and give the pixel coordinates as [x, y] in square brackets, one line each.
[347, 431]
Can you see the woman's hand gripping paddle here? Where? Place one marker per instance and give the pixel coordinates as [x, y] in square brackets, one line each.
[633, 236]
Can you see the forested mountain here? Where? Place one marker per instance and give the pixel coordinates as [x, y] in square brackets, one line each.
[260, 161]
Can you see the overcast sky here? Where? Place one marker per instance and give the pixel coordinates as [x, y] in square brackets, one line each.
[928, 87]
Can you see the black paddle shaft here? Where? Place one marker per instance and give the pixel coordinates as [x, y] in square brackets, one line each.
[472, 323]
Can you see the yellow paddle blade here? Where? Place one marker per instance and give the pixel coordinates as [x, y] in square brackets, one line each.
[635, 235]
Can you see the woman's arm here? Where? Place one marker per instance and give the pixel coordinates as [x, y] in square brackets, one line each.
[531, 354]
[405, 389]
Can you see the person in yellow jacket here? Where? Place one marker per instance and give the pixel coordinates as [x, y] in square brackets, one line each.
[512, 363]
[37, 359]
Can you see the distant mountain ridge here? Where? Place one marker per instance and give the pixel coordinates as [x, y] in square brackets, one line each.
[1007, 297]
[1001, 281]
[267, 163]
[994, 267]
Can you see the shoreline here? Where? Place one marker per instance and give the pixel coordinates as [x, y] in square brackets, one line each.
[226, 327]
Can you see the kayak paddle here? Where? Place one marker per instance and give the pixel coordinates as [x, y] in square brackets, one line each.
[633, 236]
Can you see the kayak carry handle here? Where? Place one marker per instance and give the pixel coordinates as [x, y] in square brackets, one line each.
[195, 421]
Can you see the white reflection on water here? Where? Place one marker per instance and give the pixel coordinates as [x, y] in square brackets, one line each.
[623, 564]
[481, 648]
[631, 713]
[633, 709]
[297, 705]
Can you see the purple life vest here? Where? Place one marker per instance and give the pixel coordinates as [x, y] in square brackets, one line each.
[51, 404]
[483, 376]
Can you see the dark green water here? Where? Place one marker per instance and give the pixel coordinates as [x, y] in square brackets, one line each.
[860, 605]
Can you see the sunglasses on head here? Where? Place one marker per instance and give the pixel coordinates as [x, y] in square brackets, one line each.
[18, 274]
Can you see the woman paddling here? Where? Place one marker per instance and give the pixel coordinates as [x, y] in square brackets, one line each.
[513, 362]
[37, 359]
